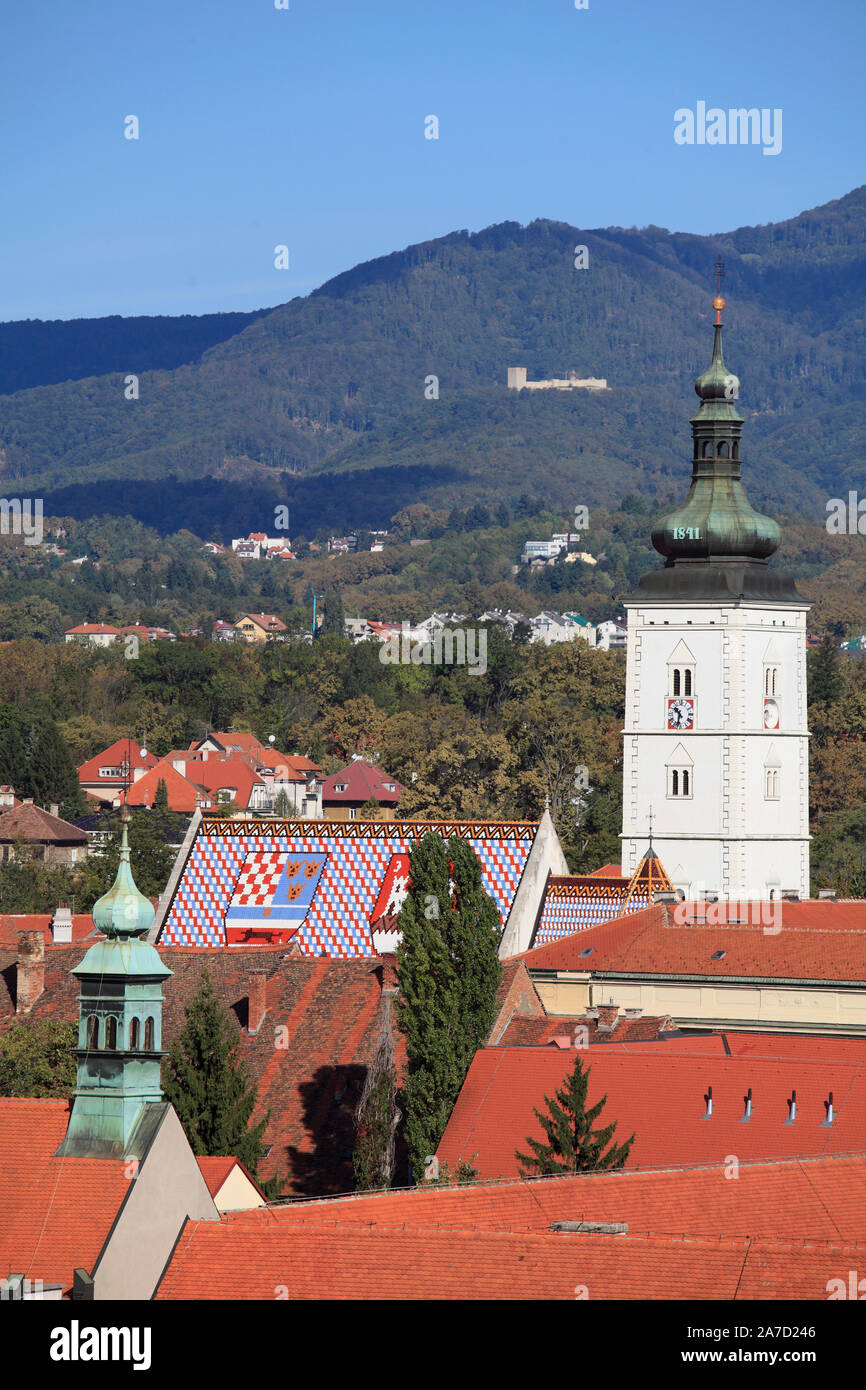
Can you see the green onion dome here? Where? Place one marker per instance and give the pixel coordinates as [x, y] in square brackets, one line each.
[716, 521]
[123, 911]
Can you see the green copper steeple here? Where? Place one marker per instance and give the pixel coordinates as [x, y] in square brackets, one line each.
[120, 1022]
[715, 545]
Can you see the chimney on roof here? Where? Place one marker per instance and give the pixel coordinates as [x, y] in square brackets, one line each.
[828, 1106]
[30, 975]
[390, 982]
[54, 809]
[790, 895]
[61, 925]
[826, 895]
[792, 1109]
[709, 1100]
[27, 801]
[747, 1114]
[256, 1004]
[666, 897]
[608, 1015]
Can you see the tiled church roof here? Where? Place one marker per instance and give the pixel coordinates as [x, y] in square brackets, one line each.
[319, 884]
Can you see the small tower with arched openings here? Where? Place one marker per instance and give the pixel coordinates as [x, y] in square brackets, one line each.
[119, 1024]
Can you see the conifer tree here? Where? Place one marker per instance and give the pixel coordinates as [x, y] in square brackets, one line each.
[572, 1144]
[449, 973]
[377, 1115]
[210, 1086]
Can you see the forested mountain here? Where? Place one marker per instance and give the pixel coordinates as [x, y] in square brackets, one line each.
[321, 402]
[34, 352]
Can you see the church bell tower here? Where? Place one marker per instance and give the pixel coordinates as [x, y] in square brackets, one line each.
[715, 738]
[120, 1023]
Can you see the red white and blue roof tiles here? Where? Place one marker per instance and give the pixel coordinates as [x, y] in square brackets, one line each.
[320, 884]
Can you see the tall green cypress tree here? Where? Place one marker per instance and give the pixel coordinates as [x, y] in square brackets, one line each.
[572, 1144]
[377, 1115]
[449, 973]
[210, 1086]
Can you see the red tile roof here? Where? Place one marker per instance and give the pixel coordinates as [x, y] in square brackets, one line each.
[808, 941]
[215, 1169]
[122, 750]
[813, 1199]
[55, 1213]
[660, 1097]
[330, 1010]
[92, 628]
[496, 1243]
[266, 620]
[607, 871]
[223, 772]
[361, 781]
[528, 1031]
[11, 923]
[181, 790]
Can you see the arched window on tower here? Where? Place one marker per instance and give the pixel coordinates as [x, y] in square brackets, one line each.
[111, 1033]
[687, 681]
[133, 1035]
[676, 689]
[91, 1040]
[722, 451]
[735, 449]
[707, 451]
[148, 1035]
[679, 773]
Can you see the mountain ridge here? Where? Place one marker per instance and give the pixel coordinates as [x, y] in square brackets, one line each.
[332, 384]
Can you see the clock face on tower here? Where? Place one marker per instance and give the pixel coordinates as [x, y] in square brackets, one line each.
[771, 714]
[681, 714]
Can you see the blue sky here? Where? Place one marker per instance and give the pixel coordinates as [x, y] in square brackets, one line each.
[305, 127]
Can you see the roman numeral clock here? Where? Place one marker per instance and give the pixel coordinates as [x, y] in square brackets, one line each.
[715, 739]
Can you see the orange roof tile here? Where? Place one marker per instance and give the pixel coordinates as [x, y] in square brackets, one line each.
[256, 1257]
[813, 1199]
[804, 941]
[660, 1097]
[55, 1213]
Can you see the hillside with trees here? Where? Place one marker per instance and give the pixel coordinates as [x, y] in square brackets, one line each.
[321, 402]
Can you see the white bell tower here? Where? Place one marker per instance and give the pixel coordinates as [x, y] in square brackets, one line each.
[716, 736]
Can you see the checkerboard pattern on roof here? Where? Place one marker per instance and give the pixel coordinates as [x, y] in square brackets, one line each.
[567, 912]
[338, 922]
[258, 879]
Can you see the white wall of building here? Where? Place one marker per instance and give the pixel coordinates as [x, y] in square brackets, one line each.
[728, 835]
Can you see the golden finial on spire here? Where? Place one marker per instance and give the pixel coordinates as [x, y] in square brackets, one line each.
[718, 302]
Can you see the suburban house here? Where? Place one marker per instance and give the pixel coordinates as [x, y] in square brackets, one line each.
[550, 627]
[107, 775]
[611, 633]
[261, 627]
[93, 634]
[104, 635]
[41, 836]
[346, 791]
